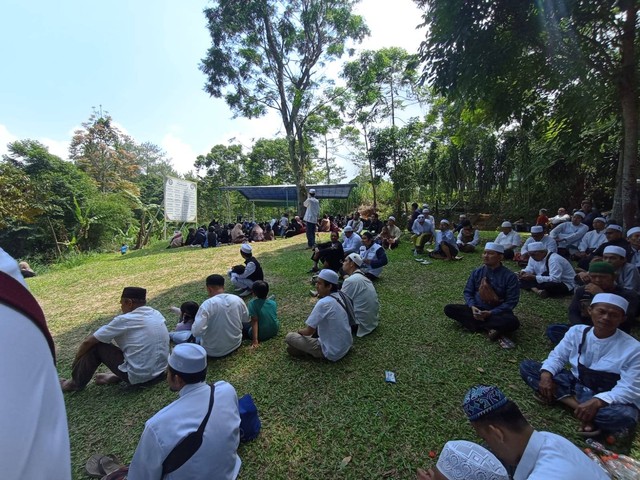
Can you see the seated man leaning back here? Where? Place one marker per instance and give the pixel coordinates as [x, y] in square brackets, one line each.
[602, 386]
[491, 294]
[140, 351]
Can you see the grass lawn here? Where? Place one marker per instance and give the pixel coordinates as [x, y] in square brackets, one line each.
[314, 414]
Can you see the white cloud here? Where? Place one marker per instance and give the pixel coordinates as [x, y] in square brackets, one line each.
[57, 147]
[181, 153]
[6, 137]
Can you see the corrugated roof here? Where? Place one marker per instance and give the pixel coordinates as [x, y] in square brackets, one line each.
[287, 194]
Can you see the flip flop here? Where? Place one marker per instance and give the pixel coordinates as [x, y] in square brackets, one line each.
[590, 433]
[110, 464]
[506, 343]
[540, 399]
[94, 466]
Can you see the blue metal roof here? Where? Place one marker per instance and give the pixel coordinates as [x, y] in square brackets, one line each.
[287, 194]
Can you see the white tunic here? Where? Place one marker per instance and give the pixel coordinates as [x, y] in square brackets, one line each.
[620, 353]
[34, 436]
[592, 240]
[351, 244]
[216, 458]
[313, 209]
[365, 302]
[560, 270]
[569, 235]
[332, 323]
[143, 337]
[425, 227]
[550, 456]
[512, 238]
[474, 242]
[219, 323]
[549, 243]
[628, 277]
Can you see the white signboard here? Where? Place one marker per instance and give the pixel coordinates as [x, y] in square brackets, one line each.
[180, 200]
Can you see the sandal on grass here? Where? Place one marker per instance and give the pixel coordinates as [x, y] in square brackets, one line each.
[94, 466]
[110, 464]
[589, 433]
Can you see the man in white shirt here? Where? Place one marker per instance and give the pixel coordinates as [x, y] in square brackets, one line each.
[362, 293]
[627, 274]
[219, 319]
[534, 454]
[633, 237]
[34, 442]
[351, 241]
[561, 217]
[538, 235]
[329, 319]
[311, 216]
[468, 238]
[592, 239]
[141, 346]
[547, 274]
[423, 231]
[569, 234]
[356, 223]
[217, 456]
[602, 386]
[509, 239]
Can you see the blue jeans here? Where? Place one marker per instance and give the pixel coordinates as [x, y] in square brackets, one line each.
[556, 332]
[612, 418]
[311, 234]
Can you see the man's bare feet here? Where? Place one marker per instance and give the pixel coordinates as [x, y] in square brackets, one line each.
[107, 379]
[68, 385]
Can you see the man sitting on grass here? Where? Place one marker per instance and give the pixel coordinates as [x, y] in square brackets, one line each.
[327, 333]
[243, 276]
[446, 247]
[468, 238]
[423, 232]
[491, 294]
[263, 313]
[363, 295]
[141, 346]
[533, 454]
[219, 319]
[373, 257]
[509, 239]
[547, 274]
[329, 254]
[603, 386]
[217, 455]
[351, 242]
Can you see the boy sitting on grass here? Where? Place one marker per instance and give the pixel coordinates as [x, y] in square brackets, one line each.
[263, 315]
[187, 312]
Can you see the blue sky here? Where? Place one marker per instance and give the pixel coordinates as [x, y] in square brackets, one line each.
[139, 60]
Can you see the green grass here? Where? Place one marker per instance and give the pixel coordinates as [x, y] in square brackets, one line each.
[314, 414]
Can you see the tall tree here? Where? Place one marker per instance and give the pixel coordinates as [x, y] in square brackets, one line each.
[269, 55]
[507, 55]
[99, 148]
[324, 127]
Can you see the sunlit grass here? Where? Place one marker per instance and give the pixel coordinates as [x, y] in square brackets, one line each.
[314, 413]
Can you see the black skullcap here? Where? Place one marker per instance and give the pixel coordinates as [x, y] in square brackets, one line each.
[134, 293]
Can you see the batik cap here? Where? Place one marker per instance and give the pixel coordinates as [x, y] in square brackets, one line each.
[611, 299]
[537, 229]
[463, 460]
[482, 399]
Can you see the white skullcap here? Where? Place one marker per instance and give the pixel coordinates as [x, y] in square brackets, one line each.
[579, 213]
[246, 248]
[188, 358]
[392, 218]
[312, 190]
[463, 460]
[613, 226]
[631, 231]
[600, 219]
[444, 220]
[536, 247]
[611, 299]
[495, 247]
[355, 258]
[348, 228]
[420, 217]
[425, 210]
[424, 205]
[537, 229]
[9, 266]
[328, 275]
[615, 250]
[506, 225]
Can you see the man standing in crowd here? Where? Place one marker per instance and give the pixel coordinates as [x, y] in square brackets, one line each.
[491, 294]
[219, 319]
[217, 456]
[311, 216]
[141, 346]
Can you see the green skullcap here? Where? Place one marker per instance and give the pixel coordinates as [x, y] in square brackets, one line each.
[601, 267]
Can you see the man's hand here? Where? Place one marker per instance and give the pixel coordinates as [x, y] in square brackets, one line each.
[586, 411]
[367, 261]
[547, 387]
[593, 289]
[480, 315]
[422, 475]
[527, 277]
[255, 344]
[584, 277]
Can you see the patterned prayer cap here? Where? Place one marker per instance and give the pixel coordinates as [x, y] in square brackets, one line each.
[482, 399]
[463, 460]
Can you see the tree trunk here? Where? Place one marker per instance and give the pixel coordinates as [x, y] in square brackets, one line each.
[628, 89]
[616, 211]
